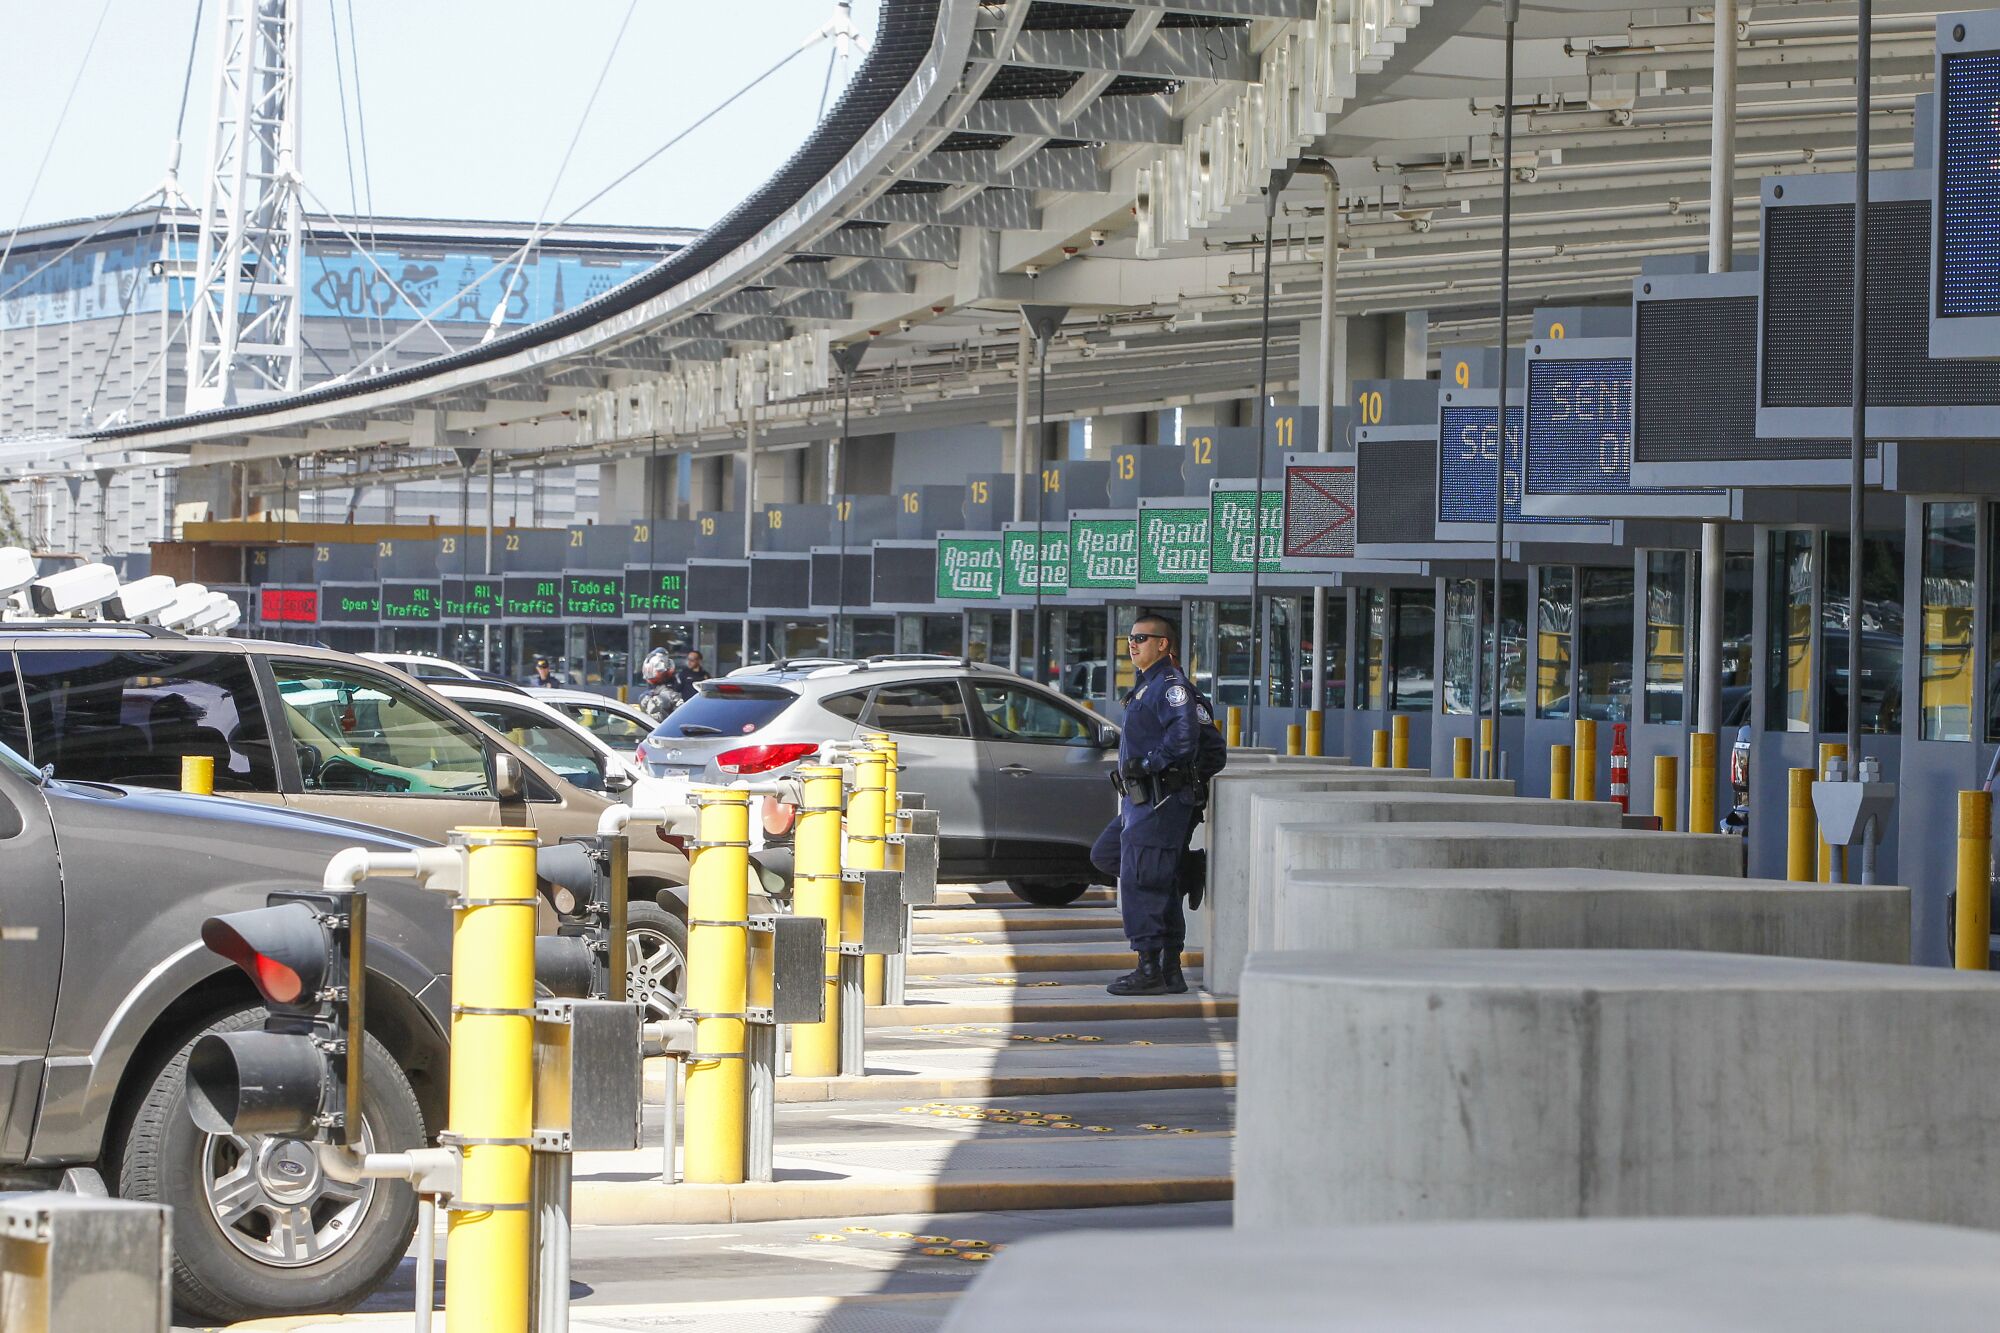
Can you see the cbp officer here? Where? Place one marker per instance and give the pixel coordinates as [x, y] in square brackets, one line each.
[1166, 752]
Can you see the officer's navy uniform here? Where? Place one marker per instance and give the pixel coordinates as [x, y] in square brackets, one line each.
[1167, 729]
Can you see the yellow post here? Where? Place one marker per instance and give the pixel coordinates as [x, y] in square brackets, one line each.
[874, 968]
[1799, 825]
[1974, 927]
[1489, 767]
[1399, 741]
[1461, 756]
[1667, 790]
[198, 774]
[1827, 750]
[1232, 730]
[1295, 740]
[1315, 733]
[1559, 760]
[1378, 752]
[816, 890]
[492, 1102]
[718, 986]
[1701, 783]
[624, 694]
[1584, 785]
[891, 766]
[867, 826]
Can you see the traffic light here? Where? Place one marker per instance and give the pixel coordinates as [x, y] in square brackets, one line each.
[299, 1078]
[584, 880]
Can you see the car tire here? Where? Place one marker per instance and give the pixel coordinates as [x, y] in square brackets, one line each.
[217, 1272]
[1048, 893]
[656, 959]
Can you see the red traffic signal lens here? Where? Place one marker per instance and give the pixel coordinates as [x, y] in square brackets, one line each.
[281, 949]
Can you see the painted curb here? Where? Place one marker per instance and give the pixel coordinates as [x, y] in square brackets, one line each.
[620, 1203]
[910, 1087]
[1049, 1011]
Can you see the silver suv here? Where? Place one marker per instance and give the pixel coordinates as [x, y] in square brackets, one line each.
[1021, 775]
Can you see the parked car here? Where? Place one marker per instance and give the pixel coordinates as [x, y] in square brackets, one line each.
[104, 988]
[426, 667]
[1735, 702]
[619, 725]
[315, 731]
[1020, 776]
[532, 721]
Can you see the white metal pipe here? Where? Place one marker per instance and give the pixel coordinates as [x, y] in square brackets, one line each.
[1020, 474]
[1330, 395]
[1721, 196]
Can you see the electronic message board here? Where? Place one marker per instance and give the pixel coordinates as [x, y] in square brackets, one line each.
[287, 606]
[472, 599]
[1965, 226]
[593, 596]
[1103, 548]
[350, 603]
[412, 603]
[780, 582]
[968, 567]
[718, 587]
[1468, 448]
[1579, 438]
[905, 573]
[531, 597]
[1020, 575]
[1173, 541]
[1319, 506]
[1241, 535]
[655, 592]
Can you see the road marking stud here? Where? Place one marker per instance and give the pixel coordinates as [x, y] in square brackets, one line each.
[1098, 1129]
[975, 1258]
[1142, 1043]
[941, 1252]
[1187, 1131]
[935, 1240]
[1090, 1039]
[896, 1235]
[1152, 1126]
[1036, 1123]
[859, 1231]
[825, 1239]
[1065, 1036]
[970, 1244]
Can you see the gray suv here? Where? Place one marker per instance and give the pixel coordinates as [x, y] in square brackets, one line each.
[1020, 774]
[104, 987]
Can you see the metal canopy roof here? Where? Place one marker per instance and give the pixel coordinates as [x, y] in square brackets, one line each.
[1110, 157]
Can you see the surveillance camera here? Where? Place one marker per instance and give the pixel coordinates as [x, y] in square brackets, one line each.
[903, 324]
[141, 598]
[17, 569]
[72, 590]
[188, 601]
[215, 608]
[1099, 238]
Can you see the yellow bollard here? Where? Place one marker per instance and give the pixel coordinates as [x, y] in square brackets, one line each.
[1295, 741]
[1559, 772]
[1461, 756]
[1232, 730]
[1827, 750]
[1315, 733]
[1667, 791]
[1399, 741]
[1800, 824]
[1974, 928]
[874, 968]
[1378, 752]
[718, 987]
[1489, 767]
[492, 1104]
[198, 774]
[624, 694]
[816, 890]
[1583, 786]
[1701, 783]
[867, 826]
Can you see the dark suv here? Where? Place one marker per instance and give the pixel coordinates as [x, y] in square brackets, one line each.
[104, 987]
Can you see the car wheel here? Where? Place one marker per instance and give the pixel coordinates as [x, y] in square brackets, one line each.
[655, 960]
[1047, 893]
[259, 1230]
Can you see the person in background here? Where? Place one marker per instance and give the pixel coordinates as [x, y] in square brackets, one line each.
[544, 677]
[657, 672]
[688, 679]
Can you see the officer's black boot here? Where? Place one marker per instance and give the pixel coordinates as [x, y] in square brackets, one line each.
[1144, 979]
[1170, 972]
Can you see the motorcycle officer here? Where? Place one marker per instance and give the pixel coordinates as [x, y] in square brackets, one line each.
[660, 697]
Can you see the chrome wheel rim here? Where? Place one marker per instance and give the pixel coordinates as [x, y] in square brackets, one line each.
[270, 1199]
[655, 972]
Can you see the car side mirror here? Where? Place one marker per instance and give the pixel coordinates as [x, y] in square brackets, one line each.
[510, 779]
[1107, 736]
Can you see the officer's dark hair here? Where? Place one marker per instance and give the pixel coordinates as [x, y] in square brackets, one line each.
[1167, 624]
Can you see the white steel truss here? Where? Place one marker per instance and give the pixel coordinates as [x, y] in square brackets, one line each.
[243, 334]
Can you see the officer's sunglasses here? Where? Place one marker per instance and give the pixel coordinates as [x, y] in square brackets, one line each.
[1142, 638]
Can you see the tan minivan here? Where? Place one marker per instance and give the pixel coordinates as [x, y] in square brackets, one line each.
[322, 732]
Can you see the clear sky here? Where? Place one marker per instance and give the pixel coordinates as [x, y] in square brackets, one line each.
[469, 105]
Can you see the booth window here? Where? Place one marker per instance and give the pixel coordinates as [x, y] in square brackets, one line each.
[1604, 644]
[1739, 619]
[1555, 621]
[1336, 653]
[1667, 607]
[1415, 650]
[1789, 705]
[1460, 669]
[1881, 635]
[1377, 611]
[1283, 663]
[1951, 544]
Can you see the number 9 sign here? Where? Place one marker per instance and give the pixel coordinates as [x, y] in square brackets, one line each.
[1461, 375]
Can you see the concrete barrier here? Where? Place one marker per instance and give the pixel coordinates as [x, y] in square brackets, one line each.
[1466, 845]
[1264, 873]
[1773, 1275]
[1477, 1084]
[1225, 833]
[1337, 911]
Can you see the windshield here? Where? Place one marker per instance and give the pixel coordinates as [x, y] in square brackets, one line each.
[725, 708]
[18, 766]
[611, 727]
[548, 740]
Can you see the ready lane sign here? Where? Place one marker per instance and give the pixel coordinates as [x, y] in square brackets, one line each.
[968, 568]
[1232, 546]
[1319, 510]
[1103, 552]
[1019, 578]
[1173, 543]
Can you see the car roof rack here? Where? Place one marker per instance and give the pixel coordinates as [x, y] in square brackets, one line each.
[912, 659]
[56, 625]
[473, 682]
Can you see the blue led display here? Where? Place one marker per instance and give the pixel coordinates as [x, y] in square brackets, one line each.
[1466, 449]
[1580, 426]
[1969, 187]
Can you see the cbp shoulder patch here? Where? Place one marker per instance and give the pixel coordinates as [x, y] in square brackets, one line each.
[1177, 696]
[1201, 711]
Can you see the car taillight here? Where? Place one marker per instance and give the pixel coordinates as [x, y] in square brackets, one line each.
[763, 758]
[639, 755]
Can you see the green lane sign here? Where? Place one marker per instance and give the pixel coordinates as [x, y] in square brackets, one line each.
[407, 603]
[1229, 534]
[531, 597]
[1173, 544]
[593, 596]
[1018, 567]
[472, 599]
[655, 592]
[968, 568]
[1103, 552]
